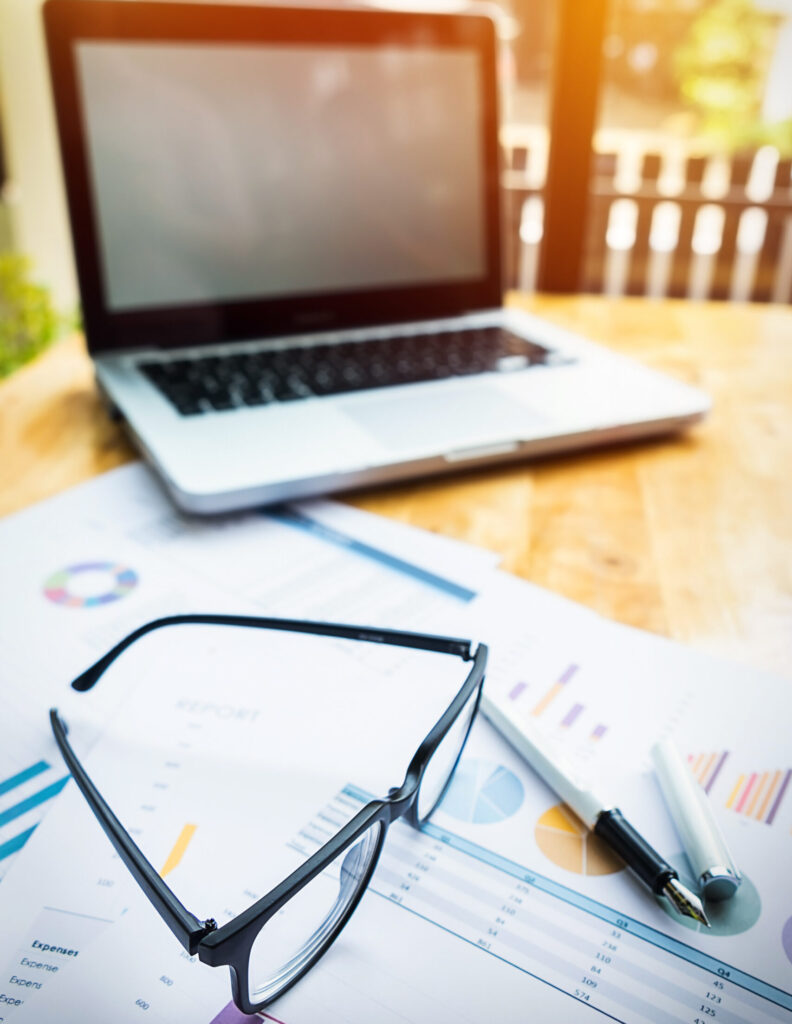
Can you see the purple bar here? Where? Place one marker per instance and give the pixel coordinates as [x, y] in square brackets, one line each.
[568, 674]
[599, 732]
[779, 798]
[233, 1015]
[517, 690]
[716, 772]
[572, 714]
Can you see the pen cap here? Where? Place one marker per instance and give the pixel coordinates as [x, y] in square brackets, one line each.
[713, 867]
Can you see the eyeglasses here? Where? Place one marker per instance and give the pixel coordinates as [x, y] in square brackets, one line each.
[277, 940]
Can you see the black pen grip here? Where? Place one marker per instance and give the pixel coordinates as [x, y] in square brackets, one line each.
[643, 859]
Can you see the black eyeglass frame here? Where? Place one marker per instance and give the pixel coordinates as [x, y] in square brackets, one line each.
[230, 944]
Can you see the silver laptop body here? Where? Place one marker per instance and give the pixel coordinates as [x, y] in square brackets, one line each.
[287, 234]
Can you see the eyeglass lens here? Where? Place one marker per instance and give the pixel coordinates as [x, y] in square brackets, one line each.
[308, 922]
[442, 763]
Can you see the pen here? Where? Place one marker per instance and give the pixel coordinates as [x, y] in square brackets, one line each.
[604, 820]
[713, 866]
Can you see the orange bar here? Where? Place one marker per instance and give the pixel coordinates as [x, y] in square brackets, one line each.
[176, 854]
[747, 792]
[548, 699]
[757, 793]
[706, 769]
[735, 791]
[768, 796]
[697, 763]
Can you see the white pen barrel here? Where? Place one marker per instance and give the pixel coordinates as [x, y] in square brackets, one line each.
[546, 763]
[712, 864]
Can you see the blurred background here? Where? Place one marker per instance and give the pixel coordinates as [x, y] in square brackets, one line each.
[676, 118]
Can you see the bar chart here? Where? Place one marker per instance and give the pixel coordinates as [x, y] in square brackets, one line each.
[24, 797]
[557, 704]
[759, 795]
[707, 767]
[557, 688]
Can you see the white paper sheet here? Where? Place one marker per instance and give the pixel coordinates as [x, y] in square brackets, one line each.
[501, 909]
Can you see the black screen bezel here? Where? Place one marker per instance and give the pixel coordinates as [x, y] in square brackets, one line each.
[70, 21]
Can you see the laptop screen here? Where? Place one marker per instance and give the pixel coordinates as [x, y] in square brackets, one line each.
[243, 171]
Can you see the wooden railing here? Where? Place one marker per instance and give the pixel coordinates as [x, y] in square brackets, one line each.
[722, 229]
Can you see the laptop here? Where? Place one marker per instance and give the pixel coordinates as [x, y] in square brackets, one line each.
[286, 227]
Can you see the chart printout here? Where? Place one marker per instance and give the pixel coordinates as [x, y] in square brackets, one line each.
[502, 902]
[84, 569]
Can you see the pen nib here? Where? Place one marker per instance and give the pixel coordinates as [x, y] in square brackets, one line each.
[685, 901]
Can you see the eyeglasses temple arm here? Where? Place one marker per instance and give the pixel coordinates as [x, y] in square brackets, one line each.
[184, 925]
[396, 638]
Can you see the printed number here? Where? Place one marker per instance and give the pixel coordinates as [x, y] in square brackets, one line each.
[714, 997]
[166, 980]
[142, 1004]
[579, 994]
[107, 882]
[708, 1010]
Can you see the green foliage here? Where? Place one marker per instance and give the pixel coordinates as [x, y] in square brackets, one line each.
[721, 67]
[28, 321]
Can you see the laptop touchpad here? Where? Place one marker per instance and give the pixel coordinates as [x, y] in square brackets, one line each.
[444, 420]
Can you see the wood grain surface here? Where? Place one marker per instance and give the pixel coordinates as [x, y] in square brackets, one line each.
[689, 536]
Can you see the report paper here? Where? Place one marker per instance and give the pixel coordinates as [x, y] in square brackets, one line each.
[83, 569]
[503, 908]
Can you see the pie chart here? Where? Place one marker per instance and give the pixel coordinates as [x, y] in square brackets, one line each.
[564, 839]
[483, 793]
[786, 939]
[727, 917]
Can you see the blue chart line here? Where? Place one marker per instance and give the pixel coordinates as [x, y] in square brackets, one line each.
[290, 517]
[15, 843]
[32, 801]
[21, 777]
[576, 899]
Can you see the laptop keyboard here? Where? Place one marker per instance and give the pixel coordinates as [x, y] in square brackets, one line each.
[216, 383]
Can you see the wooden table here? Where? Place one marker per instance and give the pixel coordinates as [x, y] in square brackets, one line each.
[689, 536]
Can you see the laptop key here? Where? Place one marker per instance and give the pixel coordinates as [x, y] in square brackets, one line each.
[289, 374]
[222, 400]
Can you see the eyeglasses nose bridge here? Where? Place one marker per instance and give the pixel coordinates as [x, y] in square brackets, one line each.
[399, 797]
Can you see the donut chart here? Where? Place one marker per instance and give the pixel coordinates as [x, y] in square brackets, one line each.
[564, 839]
[90, 584]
